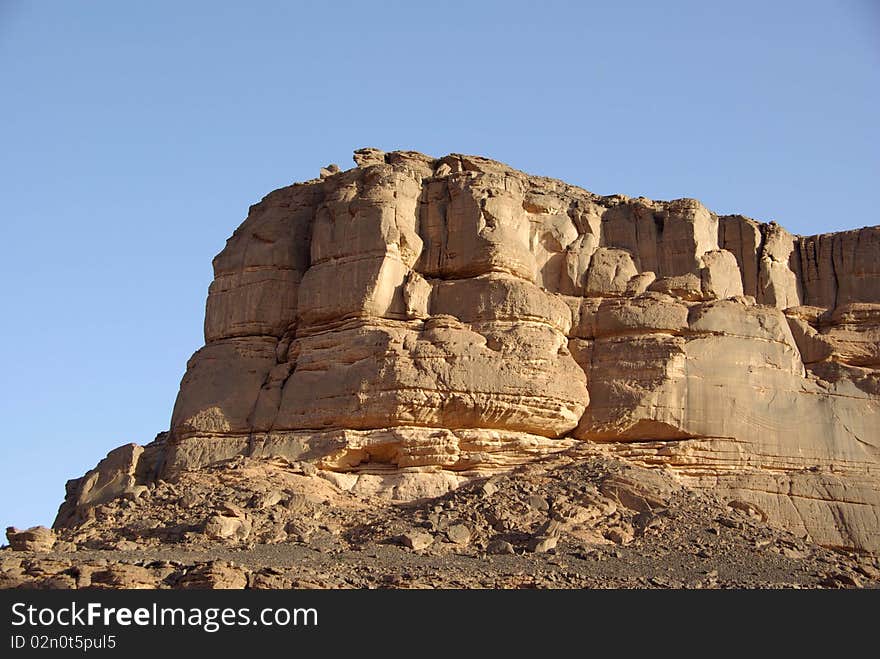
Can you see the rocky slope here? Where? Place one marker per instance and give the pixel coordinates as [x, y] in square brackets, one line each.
[413, 324]
[580, 518]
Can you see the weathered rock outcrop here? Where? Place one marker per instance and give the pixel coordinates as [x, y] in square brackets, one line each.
[413, 322]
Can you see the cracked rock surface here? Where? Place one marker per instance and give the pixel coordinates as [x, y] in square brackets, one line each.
[407, 329]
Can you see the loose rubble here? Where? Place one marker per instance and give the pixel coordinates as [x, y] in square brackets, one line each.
[583, 519]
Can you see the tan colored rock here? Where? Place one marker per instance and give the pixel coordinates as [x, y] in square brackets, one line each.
[621, 534]
[216, 575]
[646, 313]
[576, 264]
[667, 238]
[458, 534]
[737, 389]
[853, 333]
[731, 318]
[742, 237]
[553, 505]
[36, 538]
[840, 268]
[499, 297]
[641, 490]
[610, 272]
[543, 543]
[370, 286]
[640, 283]
[329, 170]
[369, 212]
[223, 527]
[417, 540]
[685, 287]
[849, 334]
[445, 373]
[221, 386]
[122, 473]
[777, 282]
[369, 156]
[720, 276]
[123, 575]
[257, 275]
[414, 322]
[416, 295]
[467, 232]
[811, 344]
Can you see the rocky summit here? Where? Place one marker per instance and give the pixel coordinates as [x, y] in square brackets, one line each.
[448, 369]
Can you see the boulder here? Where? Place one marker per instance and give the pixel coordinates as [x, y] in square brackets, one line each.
[36, 538]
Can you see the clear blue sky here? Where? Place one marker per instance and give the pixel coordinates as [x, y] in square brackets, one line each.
[134, 136]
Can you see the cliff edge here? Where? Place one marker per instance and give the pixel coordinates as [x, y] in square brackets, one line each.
[414, 323]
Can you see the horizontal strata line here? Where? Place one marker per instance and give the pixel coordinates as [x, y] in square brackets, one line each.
[267, 434]
[688, 331]
[847, 470]
[370, 255]
[257, 268]
[682, 332]
[651, 443]
[264, 434]
[699, 451]
[599, 439]
[418, 324]
[243, 337]
[787, 464]
[324, 366]
[351, 321]
[856, 477]
[469, 392]
[808, 498]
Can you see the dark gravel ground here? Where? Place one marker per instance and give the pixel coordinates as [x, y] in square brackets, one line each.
[574, 522]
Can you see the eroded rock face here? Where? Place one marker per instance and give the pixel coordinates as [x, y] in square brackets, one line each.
[413, 322]
[36, 538]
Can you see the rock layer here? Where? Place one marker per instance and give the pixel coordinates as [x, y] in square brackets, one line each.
[413, 322]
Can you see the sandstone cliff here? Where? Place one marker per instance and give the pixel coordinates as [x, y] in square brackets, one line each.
[412, 323]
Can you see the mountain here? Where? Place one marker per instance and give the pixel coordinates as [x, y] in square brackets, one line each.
[400, 332]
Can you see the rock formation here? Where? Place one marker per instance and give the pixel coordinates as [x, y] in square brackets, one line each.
[413, 323]
[574, 519]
